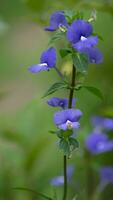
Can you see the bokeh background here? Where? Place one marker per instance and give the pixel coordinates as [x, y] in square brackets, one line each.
[29, 156]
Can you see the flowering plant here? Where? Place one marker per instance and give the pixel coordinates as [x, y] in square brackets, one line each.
[79, 46]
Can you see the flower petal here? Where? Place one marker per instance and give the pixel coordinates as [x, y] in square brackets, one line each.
[94, 55]
[56, 20]
[60, 102]
[77, 29]
[103, 122]
[49, 57]
[86, 43]
[63, 126]
[58, 180]
[72, 115]
[76, 125]
[98, 143]
[37, 68]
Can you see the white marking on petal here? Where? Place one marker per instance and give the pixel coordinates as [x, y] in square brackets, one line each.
[43, 64]
[69, 124]
[82, 38]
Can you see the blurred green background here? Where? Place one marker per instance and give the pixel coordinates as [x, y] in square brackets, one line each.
[29, 156]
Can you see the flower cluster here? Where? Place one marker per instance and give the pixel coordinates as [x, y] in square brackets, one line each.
[98, 142]
[80, 36]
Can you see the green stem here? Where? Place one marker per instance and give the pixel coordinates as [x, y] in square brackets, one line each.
[69, 106]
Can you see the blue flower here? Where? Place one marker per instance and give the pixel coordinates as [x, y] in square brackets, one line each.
[67, 119]
[59, 102]
[79, 34]
[57, 19]
[94, 55]
[106, 177]
[78, 30]
[102, 123]
[59, 180]
[86, 43]
[47, 61]
[97, 143]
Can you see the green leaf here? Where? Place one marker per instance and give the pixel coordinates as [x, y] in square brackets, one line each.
[55, 87]
[57, 36]
[99, 36]
[71, 15]
[33, 191]
[73, 143]
[64, 52]
[80, 62]
[64, 145]
[75, 197]
[94, 91]
[59, 133]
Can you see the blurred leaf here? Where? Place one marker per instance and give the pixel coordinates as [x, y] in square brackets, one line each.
[55, 87]
[57, 36]
[64, 145]
[75, 197]
[94, 91]
[12, 136]
[73, 143]
[34, 152]
[108, 111]
[64, 52]
[99, 36]
[33, 191]
[80, 62]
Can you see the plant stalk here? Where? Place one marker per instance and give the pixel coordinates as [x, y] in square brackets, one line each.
[69, 106]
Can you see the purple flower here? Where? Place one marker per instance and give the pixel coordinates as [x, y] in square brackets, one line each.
[57, 19]
[106, 177]
[67, 119]
[47, 61]
[94, 55]
[79, 34]
[97, 143]
[79, 29]
[59, 180]
[102, 122]
[59, 102]
[86, 43]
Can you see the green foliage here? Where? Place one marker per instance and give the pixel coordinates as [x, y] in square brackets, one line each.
[75, 197]
[64, 145]
[55, 87]
[73, 143]
[37, 194]
[64, 52]
[68, 145]
[94, 91]
[81, 62]
[57, 36]
[71, 15]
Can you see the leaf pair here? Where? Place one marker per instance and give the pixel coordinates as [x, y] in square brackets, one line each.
[68, 145]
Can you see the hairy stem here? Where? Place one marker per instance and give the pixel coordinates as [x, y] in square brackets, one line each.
[69, 106]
